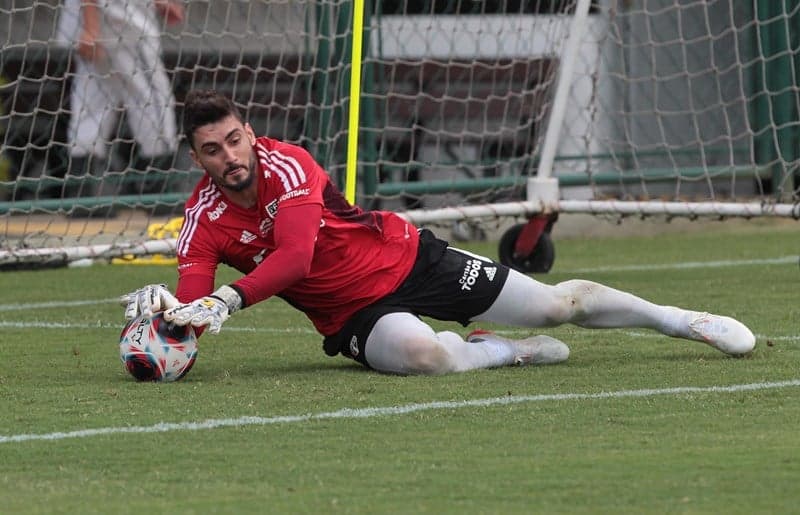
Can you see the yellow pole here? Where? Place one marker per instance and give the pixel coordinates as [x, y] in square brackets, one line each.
[355, 103]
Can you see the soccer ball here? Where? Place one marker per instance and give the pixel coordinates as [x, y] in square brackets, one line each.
[153, 349]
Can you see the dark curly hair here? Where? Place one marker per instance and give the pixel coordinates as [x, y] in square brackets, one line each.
[204, 106]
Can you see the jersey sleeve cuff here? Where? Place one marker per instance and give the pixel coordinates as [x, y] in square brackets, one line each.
[242, 300]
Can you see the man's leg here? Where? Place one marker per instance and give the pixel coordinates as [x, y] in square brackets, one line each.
[401, 343]
[150, 108]
[526, 302]
[148, 99]
[93, 116]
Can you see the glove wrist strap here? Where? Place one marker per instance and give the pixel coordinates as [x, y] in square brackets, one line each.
[230, 297]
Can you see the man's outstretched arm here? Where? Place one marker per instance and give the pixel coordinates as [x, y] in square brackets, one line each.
[296, 229]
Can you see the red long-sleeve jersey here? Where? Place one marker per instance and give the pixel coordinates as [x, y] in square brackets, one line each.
[302, 241]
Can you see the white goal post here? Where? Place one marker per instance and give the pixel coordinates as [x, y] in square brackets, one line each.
[468, 111]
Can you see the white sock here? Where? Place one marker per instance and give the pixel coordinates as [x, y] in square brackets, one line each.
[490, 353]
[609, 308]
[675, 322]
[525, 302]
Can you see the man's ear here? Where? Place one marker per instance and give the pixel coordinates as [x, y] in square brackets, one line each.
[251, 135]
[193, 155]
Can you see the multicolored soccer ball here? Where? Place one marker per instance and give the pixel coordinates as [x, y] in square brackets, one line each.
[153, 349]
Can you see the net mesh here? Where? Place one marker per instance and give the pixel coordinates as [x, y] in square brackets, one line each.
[684, 103]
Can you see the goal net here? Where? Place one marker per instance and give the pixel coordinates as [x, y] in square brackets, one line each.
[468, 111]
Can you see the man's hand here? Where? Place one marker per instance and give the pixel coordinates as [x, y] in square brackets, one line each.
[148, 300]
[211, 311]
[89, 45]
[171, 10]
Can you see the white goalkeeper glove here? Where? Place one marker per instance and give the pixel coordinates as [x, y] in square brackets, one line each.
[211, 311]
[148, 300]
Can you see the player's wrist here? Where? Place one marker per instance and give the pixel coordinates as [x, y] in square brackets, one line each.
[230, 297]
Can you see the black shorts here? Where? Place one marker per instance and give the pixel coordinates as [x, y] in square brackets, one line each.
[445, 284]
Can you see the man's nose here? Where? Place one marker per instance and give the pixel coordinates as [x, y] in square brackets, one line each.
[230, 157]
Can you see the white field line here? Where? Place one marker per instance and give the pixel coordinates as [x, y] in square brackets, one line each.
[56, 304]
[666, 266]
[118, 327]
[353, 413]
[784, 260]
[790, 337]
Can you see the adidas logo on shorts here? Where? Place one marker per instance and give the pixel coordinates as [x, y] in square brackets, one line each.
[490, 271]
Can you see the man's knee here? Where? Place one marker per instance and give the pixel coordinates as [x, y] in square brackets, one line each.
[572, 300]
[426, 356]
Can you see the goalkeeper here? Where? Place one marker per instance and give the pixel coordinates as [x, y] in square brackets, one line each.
[364, 278]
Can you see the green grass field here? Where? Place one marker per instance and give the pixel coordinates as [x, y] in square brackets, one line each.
[266, 423]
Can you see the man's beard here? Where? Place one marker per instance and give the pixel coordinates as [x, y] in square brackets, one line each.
[243, 185]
